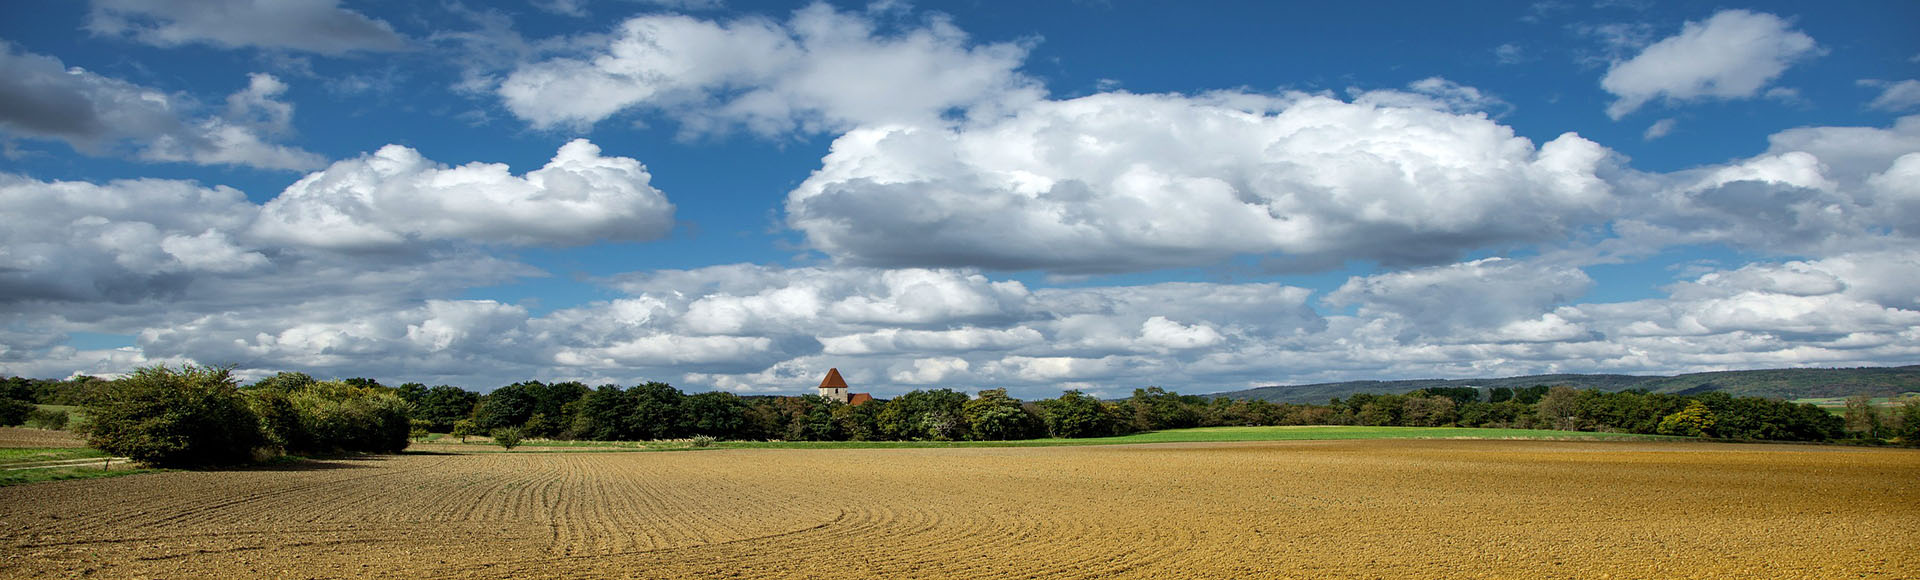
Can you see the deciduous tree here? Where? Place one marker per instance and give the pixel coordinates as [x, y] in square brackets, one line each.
[1075, 414]
[1694, 421]
[192, 415]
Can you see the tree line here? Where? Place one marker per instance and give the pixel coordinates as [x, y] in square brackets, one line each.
[195, 415]
[655, 410]
[200, 415]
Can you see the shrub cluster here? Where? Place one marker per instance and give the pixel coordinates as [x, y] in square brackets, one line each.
[189, 416]
[197, 415]
[331, 416]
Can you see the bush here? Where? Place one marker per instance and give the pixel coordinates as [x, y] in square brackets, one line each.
[336, 416]
[279, 421]
[45, 419]
[463, 429]
[509, 437]
[14, 411]
[190, 416]
[703, 440]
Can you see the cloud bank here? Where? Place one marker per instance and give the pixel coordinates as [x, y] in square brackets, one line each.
[1120, 182]
[98, 115]
[820, 70]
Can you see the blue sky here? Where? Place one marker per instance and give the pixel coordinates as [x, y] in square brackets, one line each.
[1089, 195]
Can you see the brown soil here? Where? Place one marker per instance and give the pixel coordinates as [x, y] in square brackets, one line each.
[1323, 509]
[17, 437]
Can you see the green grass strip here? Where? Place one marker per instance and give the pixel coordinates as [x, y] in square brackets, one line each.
[1220, 435]
[26, 476]
[1198, 435]
[30, 455]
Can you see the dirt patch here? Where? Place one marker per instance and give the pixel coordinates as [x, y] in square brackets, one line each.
[1319, 509]
[27, 437]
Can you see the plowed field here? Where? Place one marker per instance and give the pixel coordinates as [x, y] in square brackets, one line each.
[1324, 509]
[26, 437]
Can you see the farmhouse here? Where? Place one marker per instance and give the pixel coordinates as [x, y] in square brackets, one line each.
[834, 388]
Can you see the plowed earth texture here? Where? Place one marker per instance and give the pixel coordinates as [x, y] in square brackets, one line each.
[13, 437]
[1321, 509]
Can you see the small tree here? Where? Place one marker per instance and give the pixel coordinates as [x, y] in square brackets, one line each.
[419, 430]
[508, 437]
[941, 425]
[1694, 421]
[463, 429]
[1862, 417]
[1907, 421]
[1558, 407]
[194, 415]
[1428, 411]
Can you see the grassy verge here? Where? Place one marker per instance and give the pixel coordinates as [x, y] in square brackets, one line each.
[1221, 435]
[90, 470]
[17, 456]
[25, 476]
[1200, 435]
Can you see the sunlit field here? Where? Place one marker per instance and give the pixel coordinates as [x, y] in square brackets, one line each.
[1305, 509]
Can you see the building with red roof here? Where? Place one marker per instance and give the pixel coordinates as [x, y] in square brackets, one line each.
[834, 388]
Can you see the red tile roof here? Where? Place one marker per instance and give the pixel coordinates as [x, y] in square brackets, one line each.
[833, 380]
[858, 398]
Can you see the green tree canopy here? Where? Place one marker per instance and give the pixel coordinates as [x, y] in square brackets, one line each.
[994, 416]
[656, 411]
[189, 416]
[444, 404]
[716, 414]
[1693, 421]
[1075, 414]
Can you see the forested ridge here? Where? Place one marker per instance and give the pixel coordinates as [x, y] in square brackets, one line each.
[1771, 383]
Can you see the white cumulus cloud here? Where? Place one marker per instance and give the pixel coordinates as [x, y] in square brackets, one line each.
[395, 196]
[1117, 182]
[1815, 191]
[820, 70]
[120, 241]
[1732, 55]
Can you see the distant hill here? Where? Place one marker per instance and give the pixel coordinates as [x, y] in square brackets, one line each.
[1771, 383]
[1794, 383]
